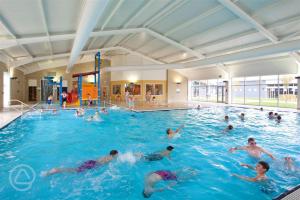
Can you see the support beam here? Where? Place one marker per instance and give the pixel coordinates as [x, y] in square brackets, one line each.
[89, 18]
[243, 15]
[296, 56]
[112, 13]
[45, 26]
[141, 55]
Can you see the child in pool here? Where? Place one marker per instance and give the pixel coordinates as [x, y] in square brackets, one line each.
[226, 118]
[172, 133]
[228, 128]
[95, 117]
[261, 169]
[252, 149]
[90, 164]
[165, 175]
[242, 116]
[157, 156]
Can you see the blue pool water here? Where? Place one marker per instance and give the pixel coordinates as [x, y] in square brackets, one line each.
[46, 141]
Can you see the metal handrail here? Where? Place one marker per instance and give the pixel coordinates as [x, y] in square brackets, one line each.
[23, 105]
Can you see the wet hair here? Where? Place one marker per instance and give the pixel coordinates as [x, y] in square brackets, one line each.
[265, 165]
[278, 117]
[261, 109]
[251, 139]
[113, 152]
[276, 114]
[243, 114]
[168, 130]
[270, 113]
[226, 117]
[230, 127]
[170, 148]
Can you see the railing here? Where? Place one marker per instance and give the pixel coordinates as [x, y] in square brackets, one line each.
[22, 104]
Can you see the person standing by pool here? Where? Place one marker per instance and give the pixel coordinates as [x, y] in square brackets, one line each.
[131, 102]
[172, 133]
[50, 101]
[261, 169]
[90, 164]
[90, 101]
[157, 156]
[126, 96]
[173, 177]
[252, 149]
[148, 96]
[64, 99]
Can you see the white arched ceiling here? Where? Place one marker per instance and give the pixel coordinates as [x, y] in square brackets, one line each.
[163, 31]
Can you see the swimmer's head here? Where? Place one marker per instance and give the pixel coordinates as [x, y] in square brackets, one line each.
[226, 117]
[168, 131]
[261, 109]
[251, 141]
[243, 114]
[113, 153]
[270, 113]
[278, 117]
[262, 167]
[230, 127]
[146, 194]
[275, 114]
[170, 148]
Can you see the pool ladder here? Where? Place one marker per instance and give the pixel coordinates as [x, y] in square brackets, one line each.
[23, 106]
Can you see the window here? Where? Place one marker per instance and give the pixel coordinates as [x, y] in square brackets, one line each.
[252, 90]
[116, 89]
[207, 90]
[287, 91]
[155, 89]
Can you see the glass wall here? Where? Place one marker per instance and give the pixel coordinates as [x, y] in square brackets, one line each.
[277, 90]
[207, 90]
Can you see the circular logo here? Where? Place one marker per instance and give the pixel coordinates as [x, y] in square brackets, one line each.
[21, 177]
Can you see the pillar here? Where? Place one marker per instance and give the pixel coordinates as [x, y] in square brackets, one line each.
[298, 92]
[226, 92]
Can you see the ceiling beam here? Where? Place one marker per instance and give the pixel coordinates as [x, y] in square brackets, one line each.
[112, 13]
[271, 49]
[169, 9]
[44, 19]
[92, 11]
[141, 55]
[243, 15]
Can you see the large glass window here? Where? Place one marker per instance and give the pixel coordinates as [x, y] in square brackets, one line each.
[265, 91]
[207, 90]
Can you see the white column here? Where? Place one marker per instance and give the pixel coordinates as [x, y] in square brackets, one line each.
[226, 92]
[298, 95]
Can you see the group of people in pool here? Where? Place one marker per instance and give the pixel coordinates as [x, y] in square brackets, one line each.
[174, 177]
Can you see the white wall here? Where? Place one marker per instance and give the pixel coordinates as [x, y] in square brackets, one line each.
[177, 92]
[133, 76]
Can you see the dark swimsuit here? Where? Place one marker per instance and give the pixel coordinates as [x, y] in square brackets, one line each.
[90, 164]
[166, 175]
[153, 157]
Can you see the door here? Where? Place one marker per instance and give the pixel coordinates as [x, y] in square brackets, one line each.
[32, 94]
[220, 94]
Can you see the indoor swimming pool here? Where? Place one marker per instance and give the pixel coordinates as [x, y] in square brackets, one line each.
[42, 141]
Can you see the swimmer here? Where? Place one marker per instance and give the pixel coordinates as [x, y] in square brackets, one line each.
[95, 117]
[261, 169]
[228, 128]
[157, 156]
[90, 101]
[278, 119]
[49, 100]
[252, 149]
[90, 164]
[198, 107]
[261, 109]
[173, 177]
[79, 112]
[64, 99]
[271, 115]
[226, 118]
[242, 116]
[172, 133]
[104, 110]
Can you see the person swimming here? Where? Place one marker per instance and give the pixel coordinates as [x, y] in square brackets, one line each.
[228, 128]
[226, 118]
[79, 112]
[261, 169]
[172, 133]
[95, 117]
[173, 177]
[261, 109]
[90, 164]
[104, 111]
[198, 107]
[157, 156]
[252, 149]
[50, 100]
[242, 116]
[278, 118]
[271, 115]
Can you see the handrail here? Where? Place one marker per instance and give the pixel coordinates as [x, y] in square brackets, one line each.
[23, 105]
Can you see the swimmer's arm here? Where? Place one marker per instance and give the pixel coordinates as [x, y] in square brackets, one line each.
[179, 129]
[246, 178]
[269, 154]
[237, 148]
[169, 186]
[248, 166]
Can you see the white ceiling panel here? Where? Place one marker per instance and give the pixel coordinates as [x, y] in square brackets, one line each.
[62, 46]
[23, 18]
[38, 49]
[17, 52]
